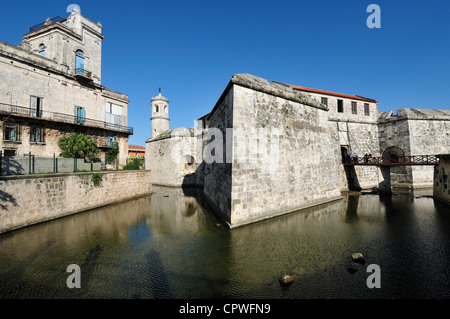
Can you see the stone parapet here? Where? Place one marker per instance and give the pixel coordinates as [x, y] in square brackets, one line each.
[27, 200]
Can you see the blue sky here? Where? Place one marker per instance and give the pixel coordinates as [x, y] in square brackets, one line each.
[191, 49]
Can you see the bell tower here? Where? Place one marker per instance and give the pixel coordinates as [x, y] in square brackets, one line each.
[160, 115]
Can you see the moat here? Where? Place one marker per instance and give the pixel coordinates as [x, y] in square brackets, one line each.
[169, 245]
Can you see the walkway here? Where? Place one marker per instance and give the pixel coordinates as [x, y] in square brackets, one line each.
[392, 160]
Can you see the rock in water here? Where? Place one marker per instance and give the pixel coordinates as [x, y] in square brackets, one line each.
[286, 280]
[358, 257]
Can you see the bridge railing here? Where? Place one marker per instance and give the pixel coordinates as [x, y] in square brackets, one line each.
[391, 160]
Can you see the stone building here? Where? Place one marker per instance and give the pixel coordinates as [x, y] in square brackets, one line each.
[51, 86]
[136, 151]
[268, 149]
[165, 152]
[414, 132]
[353, 123]
[441, 189]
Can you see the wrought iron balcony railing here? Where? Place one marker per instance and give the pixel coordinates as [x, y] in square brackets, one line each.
[9, 109]
[41, 25]
[83, 72]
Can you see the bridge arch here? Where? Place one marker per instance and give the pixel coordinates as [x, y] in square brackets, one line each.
[393, 152]
[399, 175]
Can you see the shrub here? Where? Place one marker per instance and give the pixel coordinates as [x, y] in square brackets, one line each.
[96, 179]
[134, 164]
[112, 153]
[78, 146]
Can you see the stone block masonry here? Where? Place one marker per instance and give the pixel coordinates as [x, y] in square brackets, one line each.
[27, 200]
[441, 188]
[265, 182]
[414, 132]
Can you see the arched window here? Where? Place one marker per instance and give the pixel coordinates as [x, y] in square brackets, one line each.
[156, 108]
[79, 62]
[42, 49]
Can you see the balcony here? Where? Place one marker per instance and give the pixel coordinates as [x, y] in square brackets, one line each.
[8, 109]
[106, 141]
[42, 24]
[81, 72]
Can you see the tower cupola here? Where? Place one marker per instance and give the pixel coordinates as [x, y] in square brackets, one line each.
[160, 115]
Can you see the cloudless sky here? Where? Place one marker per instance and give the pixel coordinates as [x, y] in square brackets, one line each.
[191, 49]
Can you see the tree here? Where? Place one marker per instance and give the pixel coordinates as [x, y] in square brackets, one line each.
[78, 146]
[112, 153]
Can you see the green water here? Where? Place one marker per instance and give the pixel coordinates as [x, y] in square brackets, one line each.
[169, 245]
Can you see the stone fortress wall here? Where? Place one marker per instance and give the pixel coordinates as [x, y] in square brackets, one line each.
[295, 172]
[441, 189]
[31, 199]
[414, 132]
[353, 130]
[311, 134]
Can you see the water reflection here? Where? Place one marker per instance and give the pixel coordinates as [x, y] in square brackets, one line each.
[139, 233]
[170, 245]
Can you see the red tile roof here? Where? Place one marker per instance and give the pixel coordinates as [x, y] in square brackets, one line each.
[354, 97]
[136, 147]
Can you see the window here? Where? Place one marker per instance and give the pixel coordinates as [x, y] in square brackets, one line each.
[80, 114]
[354, 109]
[9, 152]
[37, 135]
[340, 106]
[324, 101]
[79, 62]
[110, 140]
[42, 50]
[156, 108]
[36, 106]
[366, 109]
[113, 115]
[11, 132]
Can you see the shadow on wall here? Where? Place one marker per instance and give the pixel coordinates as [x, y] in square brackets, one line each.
[6, 198]
[10, 166]
[385, 185]
[352, 178]
[210, 185]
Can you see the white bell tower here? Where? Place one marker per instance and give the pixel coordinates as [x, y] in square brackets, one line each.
[160, 115]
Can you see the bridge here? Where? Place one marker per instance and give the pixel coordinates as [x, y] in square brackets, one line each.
[391, 160]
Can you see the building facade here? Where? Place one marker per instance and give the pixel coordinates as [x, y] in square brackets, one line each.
[136, 151]
[51, 86]
[353, 124]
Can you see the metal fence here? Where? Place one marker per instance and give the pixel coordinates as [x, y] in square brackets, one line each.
[34, 164]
